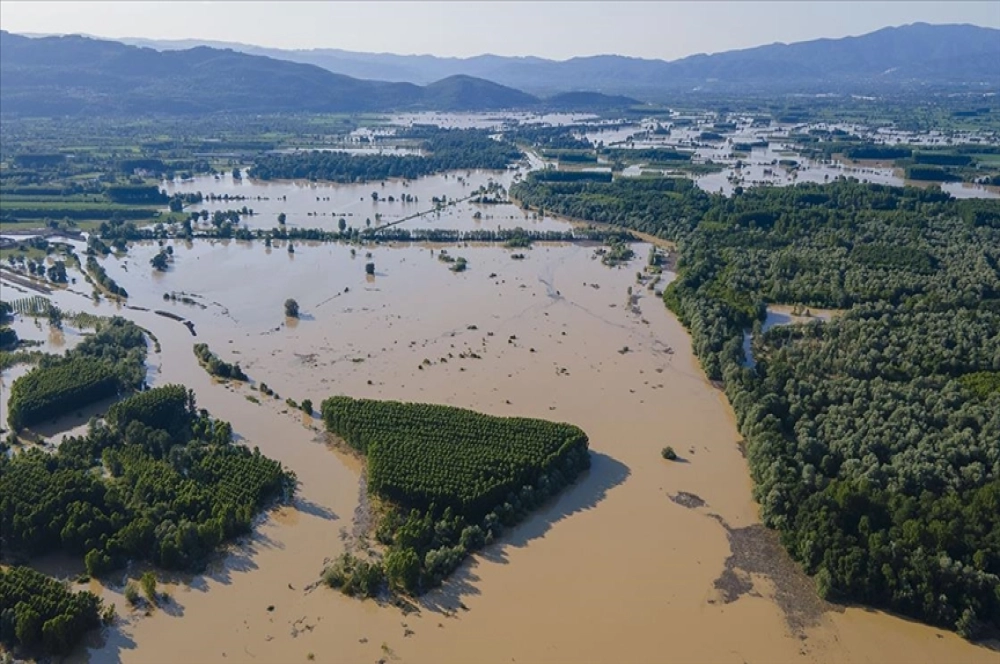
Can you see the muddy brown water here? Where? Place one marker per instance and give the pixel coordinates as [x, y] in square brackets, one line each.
[322, 205]
[613, 570]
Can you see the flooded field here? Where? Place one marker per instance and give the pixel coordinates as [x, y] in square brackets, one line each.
[322, 205]
[488, 120]
[772, 157]
[642, 560]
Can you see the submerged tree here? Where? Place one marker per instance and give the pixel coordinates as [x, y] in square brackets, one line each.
[291, 308]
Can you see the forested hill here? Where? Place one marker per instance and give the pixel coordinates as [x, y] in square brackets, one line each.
[918, 56]
[81, 76]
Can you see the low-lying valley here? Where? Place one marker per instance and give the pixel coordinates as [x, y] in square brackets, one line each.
[650, 385]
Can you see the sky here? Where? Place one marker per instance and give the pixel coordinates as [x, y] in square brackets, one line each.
[557, 30]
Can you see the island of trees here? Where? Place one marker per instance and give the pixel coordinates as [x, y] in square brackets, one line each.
[874, 438]
[109, 362]
[216, 366]
[442, 150]
[448, 481]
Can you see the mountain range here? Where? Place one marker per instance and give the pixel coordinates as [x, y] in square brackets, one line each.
[74, 75]
[77, 75]
[918, 55]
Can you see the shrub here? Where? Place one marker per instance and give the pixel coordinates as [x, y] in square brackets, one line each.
[148, 583]
[132, 593]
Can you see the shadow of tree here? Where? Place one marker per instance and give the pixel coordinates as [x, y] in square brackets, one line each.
[239, 558]
[104, 646]
[66, 423]
[605, 473]
[314, 509]
[170, 607]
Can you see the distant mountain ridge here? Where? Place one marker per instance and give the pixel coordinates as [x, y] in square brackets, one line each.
[911, 56]
[79, 75]
[74, 75]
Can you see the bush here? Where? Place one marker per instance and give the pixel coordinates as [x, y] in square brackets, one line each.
[291, 308]
[132, 593]
[354, 576]
[148, 583]
[668, 453]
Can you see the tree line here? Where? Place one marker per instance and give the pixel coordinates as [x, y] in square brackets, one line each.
[444, 150]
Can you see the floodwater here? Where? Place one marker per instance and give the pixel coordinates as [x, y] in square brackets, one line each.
[48, 340]
[642, 560]
[322, 205]
[488, 120]
[761, 165]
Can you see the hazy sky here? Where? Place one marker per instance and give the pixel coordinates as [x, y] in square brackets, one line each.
[548, 29]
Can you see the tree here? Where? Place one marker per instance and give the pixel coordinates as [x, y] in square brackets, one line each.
[8, 337]
[291, 308]
[58, 634]
[402, 569]
[96, 562]
[281, 218]
[57, 272]
[55, 317]
[668, 453]
[237, 175]
[342, 224]
[307, 406]
[159, 261]
[27, 625]
[370, 268]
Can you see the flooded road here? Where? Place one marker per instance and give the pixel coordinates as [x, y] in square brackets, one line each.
[642, 560]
